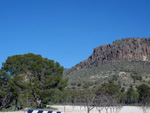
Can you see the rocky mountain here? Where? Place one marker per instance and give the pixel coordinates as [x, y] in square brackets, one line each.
[128, 49]
[128, 57]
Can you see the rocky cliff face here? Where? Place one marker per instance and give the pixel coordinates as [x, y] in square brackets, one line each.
[128, 49]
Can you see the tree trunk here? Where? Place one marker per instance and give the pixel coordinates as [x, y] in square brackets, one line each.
[88, 110]
[99, 111]
[16, 104]
[38, 103]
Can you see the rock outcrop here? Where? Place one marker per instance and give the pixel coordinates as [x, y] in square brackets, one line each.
[128, 49]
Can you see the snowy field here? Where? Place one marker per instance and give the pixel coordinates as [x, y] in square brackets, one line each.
[77, 109]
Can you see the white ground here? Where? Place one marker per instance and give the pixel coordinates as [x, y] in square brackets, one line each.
[69, 109]
[124, 109]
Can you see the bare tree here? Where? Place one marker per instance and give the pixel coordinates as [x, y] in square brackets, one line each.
[88, 99]
[145, 107]
[66, 99]
[84, 98]
[108, 97]
[100, 101]
[99, 107]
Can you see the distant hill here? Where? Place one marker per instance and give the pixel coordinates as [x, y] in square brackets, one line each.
[129, 56]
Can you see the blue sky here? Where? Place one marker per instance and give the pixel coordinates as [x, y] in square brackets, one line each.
[67, 31]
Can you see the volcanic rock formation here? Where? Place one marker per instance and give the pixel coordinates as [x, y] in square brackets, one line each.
[128, 49]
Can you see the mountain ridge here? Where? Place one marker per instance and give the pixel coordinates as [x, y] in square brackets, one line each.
[127, 49]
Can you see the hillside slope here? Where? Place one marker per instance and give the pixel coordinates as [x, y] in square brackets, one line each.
[130, 56]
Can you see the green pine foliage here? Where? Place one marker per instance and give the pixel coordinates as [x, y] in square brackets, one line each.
[30, 80]
[6, 96]
[144, 93]
[131, 96]
[33, 77]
